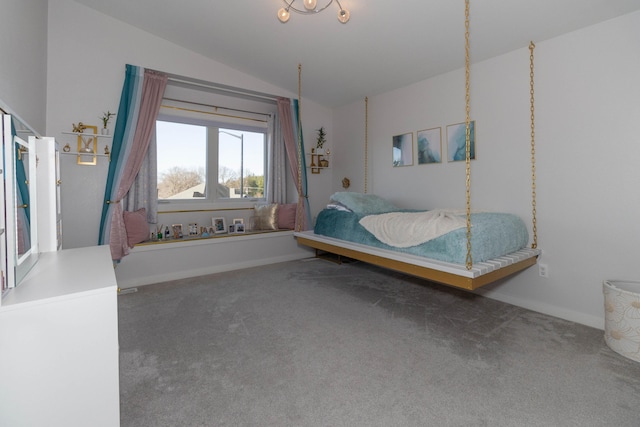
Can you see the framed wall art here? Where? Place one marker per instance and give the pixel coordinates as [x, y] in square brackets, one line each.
[457, 141]
[88, 145]
[430, 146]
[402, 150]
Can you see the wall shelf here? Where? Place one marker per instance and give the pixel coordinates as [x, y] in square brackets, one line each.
[317, 162]
[87, 151]
[87, 134]
[70, 153]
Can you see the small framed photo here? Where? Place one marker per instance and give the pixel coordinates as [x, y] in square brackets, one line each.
[176, 229]
[211, 230]
[232, 228]
[193, 229]
[237, 221]
[457, 142]
[402, 150]
[430, 146]
[219, 225]
[240, 228]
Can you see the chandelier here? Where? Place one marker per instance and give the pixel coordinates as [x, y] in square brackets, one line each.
[311, 6]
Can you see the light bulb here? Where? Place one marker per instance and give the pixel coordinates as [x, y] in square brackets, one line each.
[343, 16]
[310, 4]
[283, 15]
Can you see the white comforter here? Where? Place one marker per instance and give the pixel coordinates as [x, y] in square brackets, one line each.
[406, 229]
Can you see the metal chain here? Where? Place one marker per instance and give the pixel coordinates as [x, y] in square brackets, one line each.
[534, 244]
[366, 141]
[469, 260]
[299, 210]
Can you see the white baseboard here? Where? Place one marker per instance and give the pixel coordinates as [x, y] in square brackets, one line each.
[562, 313]
[184, 274]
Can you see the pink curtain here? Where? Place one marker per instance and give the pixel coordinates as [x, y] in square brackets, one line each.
[291, 144]
[152, 92]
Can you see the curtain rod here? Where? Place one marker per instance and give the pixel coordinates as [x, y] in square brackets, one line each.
[217, 107]
[178, 80]
[214, 114]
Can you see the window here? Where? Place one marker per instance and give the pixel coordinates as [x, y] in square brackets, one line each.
[203, 161]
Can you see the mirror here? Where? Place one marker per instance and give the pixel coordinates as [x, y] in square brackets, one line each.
[20, 189]
[23, 208]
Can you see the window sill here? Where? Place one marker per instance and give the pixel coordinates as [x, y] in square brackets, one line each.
[207, 205]
[215, 239]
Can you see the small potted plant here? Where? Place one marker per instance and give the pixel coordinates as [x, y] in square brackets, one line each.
[322, 138]
[105, 121]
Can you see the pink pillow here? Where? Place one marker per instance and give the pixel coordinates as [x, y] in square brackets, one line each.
[287, 216]
[137, 226]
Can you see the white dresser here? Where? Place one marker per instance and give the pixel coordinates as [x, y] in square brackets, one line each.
[59, 343]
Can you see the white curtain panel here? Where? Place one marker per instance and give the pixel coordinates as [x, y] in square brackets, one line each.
[276, 185]
[144, 190]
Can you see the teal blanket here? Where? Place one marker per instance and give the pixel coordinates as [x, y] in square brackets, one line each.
[492, 235]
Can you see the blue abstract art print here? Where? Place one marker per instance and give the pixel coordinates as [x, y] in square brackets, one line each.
[402, 146]
[430, 146]
[457, 141]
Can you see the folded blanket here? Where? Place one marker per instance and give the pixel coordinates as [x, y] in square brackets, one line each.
[406, 229]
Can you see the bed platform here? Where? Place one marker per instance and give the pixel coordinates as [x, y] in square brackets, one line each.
[481, 273]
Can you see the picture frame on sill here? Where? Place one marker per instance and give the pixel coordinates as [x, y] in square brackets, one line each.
[176, 230]
[240, 227]
[237, 221]
[219, 225]
[232, 228]
[193, 229]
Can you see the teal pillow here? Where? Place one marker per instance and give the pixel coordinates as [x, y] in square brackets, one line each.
[368, 204]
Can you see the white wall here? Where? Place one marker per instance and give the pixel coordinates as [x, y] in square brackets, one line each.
[587, 112]
[87, 56]
[23, 73]
[587, 148]
[161, 262]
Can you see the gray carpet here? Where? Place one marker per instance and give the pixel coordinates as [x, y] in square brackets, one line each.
[314, 343]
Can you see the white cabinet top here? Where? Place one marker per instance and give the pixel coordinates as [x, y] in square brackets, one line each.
[64, 274]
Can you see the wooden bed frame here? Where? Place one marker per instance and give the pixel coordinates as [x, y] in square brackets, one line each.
[455, 275]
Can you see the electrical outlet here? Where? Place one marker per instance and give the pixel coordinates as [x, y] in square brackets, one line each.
[543, 269]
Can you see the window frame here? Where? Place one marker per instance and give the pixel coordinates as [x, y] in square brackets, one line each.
[210, 201]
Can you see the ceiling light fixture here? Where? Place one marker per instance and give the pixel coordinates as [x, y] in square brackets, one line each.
[311, 6]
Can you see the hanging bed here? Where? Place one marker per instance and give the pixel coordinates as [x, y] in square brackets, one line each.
[367, 228]
[488, 247]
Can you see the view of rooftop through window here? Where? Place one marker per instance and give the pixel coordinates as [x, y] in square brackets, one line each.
[189, 156]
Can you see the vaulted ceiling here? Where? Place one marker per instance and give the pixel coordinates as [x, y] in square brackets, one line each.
[387, 44]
